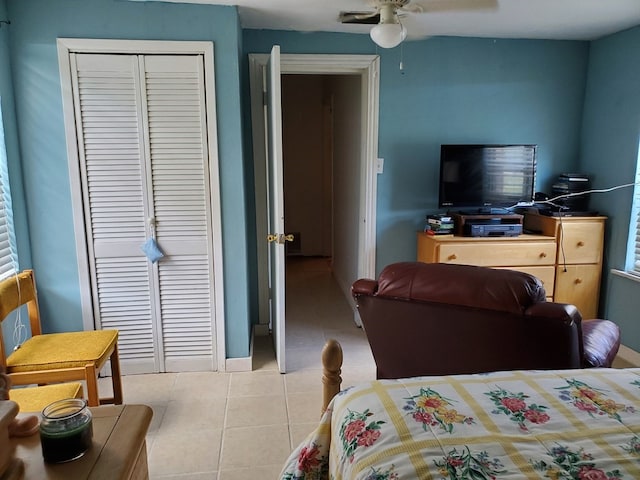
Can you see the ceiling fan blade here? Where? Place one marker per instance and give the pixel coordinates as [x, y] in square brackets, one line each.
[413, 8]
[360, 17]
[415, 31]
[451, 5]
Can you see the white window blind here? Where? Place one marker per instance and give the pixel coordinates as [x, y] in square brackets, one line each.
[633, 248]
[8, 250]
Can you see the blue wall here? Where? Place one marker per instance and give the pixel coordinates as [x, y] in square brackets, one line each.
[610, 136]
[35, 25]
[456, 90]
[451, 90]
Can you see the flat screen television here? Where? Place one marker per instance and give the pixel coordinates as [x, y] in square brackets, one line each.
[486, 177]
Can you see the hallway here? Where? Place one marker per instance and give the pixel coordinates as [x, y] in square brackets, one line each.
[316, 310]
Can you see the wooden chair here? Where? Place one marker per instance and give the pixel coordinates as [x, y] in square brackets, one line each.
[56, 357]
[34, 399]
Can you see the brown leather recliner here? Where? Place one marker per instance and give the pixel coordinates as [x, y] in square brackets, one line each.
[442, 319]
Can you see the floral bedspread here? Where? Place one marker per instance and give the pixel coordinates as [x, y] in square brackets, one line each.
[567, 424]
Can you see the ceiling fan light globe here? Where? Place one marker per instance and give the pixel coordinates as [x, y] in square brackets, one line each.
[388, 35]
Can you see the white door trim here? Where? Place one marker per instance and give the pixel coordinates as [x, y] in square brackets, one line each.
[82, 45]
[368, 67]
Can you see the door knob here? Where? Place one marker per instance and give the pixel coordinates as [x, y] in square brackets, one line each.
[279, 238]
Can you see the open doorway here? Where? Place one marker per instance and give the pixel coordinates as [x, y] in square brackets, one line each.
[356, 218]
[321, 133]
[321, 130]
[307, 148]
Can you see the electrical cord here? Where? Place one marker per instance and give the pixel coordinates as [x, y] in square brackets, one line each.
[19, 329]
[551, 201]
[561, 230]
[586, 192]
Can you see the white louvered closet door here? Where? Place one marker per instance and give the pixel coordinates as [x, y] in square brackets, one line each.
[141, 126]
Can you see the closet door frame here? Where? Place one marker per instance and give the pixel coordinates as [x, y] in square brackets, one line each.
[67, 46]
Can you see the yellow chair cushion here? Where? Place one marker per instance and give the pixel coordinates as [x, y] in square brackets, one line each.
[34, 399]
[62, 350]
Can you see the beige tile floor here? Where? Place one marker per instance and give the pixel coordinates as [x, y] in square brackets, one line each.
[232, 426]
[238, 426]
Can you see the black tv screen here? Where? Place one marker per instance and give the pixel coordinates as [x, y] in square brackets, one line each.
[486, 176]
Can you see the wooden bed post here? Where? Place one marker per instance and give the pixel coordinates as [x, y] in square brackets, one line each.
[331, 364]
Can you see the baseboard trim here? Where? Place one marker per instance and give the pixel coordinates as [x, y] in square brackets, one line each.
[346, 291]
[241, 364]
[626, 357]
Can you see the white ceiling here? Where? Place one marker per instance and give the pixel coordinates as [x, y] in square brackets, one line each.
[543, 19]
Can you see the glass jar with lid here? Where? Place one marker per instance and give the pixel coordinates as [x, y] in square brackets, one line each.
[66, 430]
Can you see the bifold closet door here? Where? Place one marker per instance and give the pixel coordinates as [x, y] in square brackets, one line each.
[141, 126]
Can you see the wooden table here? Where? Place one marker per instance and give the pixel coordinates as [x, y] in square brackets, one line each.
[118, 452]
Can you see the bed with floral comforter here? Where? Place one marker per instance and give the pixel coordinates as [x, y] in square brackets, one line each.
[567, 424]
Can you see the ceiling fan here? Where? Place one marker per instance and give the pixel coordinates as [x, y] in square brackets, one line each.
[389, 32]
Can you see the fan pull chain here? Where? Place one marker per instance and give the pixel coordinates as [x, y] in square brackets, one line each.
[401, 58]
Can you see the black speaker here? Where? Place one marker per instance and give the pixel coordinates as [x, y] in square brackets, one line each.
[572, 184]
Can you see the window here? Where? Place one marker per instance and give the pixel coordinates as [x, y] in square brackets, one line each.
[8, 250]
[633, 245]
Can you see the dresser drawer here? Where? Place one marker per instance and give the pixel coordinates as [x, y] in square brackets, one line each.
[581, 242]
[499, 254]
[546, 274]
[579, 285]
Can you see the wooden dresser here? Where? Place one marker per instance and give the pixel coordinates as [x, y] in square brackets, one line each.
[533, 254]
[118, 452]
[565, 254]
[578, 259]
[8, 463]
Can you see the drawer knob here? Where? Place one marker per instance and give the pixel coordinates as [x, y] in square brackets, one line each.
[543, 255]
[452, 257]
[578, 281]
[580, 243]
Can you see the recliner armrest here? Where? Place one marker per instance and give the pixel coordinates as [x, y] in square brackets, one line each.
[562, 311]
[364, 286]
[557, 329]
[601, 339]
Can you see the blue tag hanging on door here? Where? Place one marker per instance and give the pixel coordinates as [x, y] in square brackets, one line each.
[150, 247]
[152, 250]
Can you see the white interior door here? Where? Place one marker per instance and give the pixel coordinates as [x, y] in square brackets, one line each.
[276, 206]
[367, 67]
[141, 125]
[180, 210]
